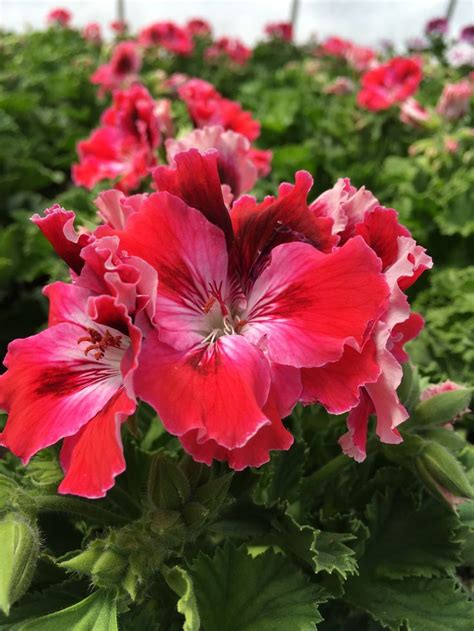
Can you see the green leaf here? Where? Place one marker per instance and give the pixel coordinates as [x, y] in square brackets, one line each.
[323, 551]
[97, 612]
[181, 583]
[282, 476]
[422, 604]
[236, 592]
[407, 540]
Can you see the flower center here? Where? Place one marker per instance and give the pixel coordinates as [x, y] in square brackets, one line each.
[98, 342]
[219, 318]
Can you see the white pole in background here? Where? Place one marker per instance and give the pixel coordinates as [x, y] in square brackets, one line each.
[295, 7]
[450, 9]
[121, 10]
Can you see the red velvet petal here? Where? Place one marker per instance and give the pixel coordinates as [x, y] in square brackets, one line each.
[260, 227]
[306, 306]
[57, 226]
[93, 457]
[195, 179]
[337, 385]
[218, 390]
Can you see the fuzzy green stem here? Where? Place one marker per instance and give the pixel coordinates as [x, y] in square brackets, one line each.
[326, 472]
[81, 508]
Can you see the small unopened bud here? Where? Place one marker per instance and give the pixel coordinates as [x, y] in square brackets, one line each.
[442, 474]
[19, 550]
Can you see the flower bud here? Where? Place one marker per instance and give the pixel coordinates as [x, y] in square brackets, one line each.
[442, 474]
[443, 407]
[19, 546]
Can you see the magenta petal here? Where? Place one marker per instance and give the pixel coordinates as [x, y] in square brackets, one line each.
[51, 389]
[57, 226]
[306, 306]
[218, 390]
[93, 457]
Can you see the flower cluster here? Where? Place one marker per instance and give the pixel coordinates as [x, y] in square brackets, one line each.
[222, 316]
[231, 48]
[359, 57]
[167, 35]
[390, 83]
[207, 106]
[121, 70]
[59, 17]
[123, 147]
[280, 30]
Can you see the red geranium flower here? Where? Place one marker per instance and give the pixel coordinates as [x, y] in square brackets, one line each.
[62, 17]
[198, 27]
[121, 70]
[280, 30]
[124, 147]
[390, 83]
[92, 33]
[207, 107]
[167, 35]
[229, 47]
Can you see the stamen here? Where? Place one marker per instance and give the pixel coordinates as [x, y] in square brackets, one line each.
[99, 343]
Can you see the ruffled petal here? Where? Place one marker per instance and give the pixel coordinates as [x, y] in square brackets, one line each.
[255, 452]
[306, 306]
[57, 225]
[337, 385]
[190, 256]
[353, 442]
[218, 390]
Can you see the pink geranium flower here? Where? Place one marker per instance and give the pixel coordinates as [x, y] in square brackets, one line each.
[231, 48]
[390, 83]
[73, 381]
[244, 303]
[198, 27]
[454, 100]
[337, 386]
[61, 17]
[235, 159]
[119, 26]
[437, 27]
[412, 113]
[280, 30]
[359, 57]
[92, 33]
[168, 35]
[121, 70]
[208, 107]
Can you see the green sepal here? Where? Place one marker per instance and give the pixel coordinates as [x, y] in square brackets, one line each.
[19, 552]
